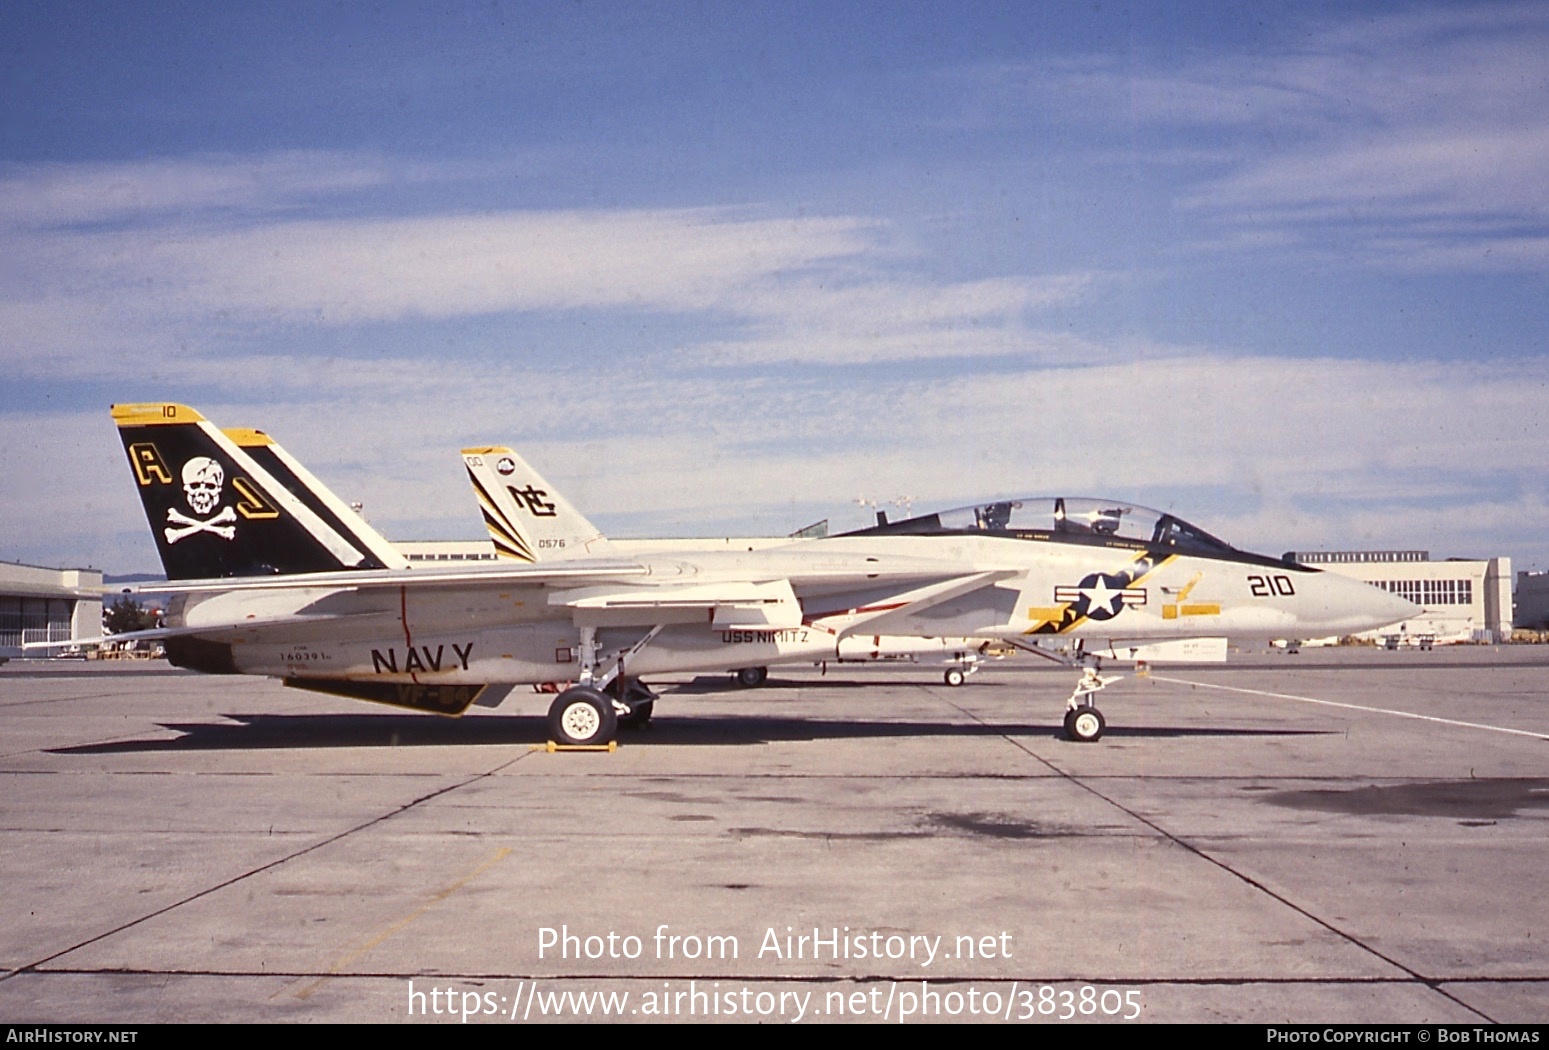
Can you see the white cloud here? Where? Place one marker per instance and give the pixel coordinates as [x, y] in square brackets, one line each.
[900, 320]
[109, 298]
[444, 266]
[1425, 127]
[1303, 432]
[1411, 177]
[54, 195]
[354, 271]
[1267, 453]
[909, 304]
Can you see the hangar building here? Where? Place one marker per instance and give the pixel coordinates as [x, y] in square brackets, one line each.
[47, 605]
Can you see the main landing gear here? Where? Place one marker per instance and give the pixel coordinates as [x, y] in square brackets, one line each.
[639, 701]
[593, 711]
[751, 677]
[582, 716]
[967, 664]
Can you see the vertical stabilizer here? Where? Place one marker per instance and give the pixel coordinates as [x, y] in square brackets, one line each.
[316, 497]
[527, 519]
[214, 511]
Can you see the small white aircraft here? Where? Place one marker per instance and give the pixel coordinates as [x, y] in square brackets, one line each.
[266, 582]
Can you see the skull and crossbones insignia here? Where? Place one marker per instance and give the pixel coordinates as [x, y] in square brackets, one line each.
[202, 481]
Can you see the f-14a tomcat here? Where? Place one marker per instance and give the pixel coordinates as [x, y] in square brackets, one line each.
[266, 582]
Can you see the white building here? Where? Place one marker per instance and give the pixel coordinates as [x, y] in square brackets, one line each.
[1465, 600]
[47, 605]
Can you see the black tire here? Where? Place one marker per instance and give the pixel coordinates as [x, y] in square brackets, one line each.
[954, 677]
[751, 677]
[1085, 725]
[582, 716]
[639, 717]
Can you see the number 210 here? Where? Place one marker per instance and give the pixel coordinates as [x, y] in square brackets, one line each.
[1269, 586]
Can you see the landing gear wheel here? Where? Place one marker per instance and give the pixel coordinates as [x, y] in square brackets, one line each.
[582, 716]
[954, 676]
[751, 677]
[639, 717]
[1085, 725]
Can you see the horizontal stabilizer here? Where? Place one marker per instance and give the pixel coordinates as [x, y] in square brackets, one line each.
[450, 576]
[229, 630]
[97, 639]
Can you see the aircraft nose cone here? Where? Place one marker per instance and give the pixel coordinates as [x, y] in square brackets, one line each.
[1371, 607]
[1395, 608]
[1349, 606]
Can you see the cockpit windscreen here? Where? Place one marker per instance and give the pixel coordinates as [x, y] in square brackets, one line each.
[1077, 517]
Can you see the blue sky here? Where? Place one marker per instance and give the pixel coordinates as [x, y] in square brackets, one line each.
[725, 268]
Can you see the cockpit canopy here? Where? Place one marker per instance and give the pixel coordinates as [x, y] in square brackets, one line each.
[1075, 518]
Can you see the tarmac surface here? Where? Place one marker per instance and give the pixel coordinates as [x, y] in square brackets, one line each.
[1331, 836]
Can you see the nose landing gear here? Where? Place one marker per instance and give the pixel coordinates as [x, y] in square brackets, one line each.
[1084, 723]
